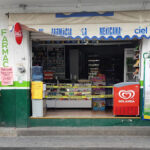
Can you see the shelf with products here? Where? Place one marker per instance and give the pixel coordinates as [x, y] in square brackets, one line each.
[69, 91]
[75, 90]
[136, 65]
[132, 64]
[56, 57]
[51, 58]
[68, 96]
[129, 62]
[93, 65]
[73, 95]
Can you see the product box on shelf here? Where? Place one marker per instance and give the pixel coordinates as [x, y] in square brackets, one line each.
[48, 75]
[98, 104]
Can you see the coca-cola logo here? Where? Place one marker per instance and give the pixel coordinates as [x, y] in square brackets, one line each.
[18, 33]
[129, 94]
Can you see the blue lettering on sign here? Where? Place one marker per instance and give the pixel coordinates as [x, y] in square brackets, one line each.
[61, 31]
[41, 30]
[141, 30]
[84, 31]
[110, 31]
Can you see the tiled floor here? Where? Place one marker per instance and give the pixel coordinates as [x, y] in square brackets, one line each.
[77, 113]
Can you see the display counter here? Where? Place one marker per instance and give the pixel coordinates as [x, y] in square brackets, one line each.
[73, 95]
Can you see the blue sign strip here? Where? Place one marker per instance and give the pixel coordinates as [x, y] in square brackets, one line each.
[109, 37]
[84, 14]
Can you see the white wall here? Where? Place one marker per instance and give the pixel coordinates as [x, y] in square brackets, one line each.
[145, 48]
[21, 57]
[18, 55]
[53, 6]
[3, 37]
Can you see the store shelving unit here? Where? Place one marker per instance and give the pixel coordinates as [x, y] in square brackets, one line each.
[93, 65]
[131, 65]
[72, 96]
[137, 63]
[68, 96]
[51, 58]
[128, 65]
[56, 61]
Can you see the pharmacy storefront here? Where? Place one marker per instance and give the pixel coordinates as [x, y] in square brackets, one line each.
[77, 69]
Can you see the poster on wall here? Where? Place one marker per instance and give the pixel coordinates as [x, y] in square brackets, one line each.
[147, 90]
[6, 76]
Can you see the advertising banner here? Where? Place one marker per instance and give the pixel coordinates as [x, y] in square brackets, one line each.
[96, 31]
[6, 76]
[97, 25]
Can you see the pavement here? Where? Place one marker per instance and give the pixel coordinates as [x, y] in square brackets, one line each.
[76, 138]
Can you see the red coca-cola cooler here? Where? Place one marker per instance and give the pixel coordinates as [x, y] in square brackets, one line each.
[126, 99]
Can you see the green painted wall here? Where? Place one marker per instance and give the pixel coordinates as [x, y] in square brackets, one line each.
[8, 108]
[15, 108]
[88, 122]
[92, 122]
[22, 107]
[0, 107]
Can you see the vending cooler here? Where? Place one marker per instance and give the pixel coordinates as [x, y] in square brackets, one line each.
[126, 99]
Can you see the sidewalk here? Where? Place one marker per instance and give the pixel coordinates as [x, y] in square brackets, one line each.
[77, 142]
[75, 138]
[76, 131]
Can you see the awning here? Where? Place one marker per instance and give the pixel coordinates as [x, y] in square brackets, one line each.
[98, 25]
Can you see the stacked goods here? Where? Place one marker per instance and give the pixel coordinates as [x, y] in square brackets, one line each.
[48, 75]
[37, 73]
[67, 91]
[99, 103]
[38, 104]
[137, 64]
[93, 65]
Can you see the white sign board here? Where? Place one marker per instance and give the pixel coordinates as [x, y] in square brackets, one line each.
[147, 90]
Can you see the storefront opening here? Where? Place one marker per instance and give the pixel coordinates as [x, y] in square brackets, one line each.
[79, 76]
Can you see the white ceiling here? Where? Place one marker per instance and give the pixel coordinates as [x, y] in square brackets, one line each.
[54, 6]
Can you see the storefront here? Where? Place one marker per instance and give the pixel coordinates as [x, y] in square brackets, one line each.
[78, 60]
[79, 78]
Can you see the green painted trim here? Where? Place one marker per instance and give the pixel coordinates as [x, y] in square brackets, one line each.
[147, 109]
[141, 83]
[17, 84]
[141, 102]
[88, 122]
[147, 113]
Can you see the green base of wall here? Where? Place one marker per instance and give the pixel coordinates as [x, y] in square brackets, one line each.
[88, 122]
[92, 122]
[14, 108]
[8, 108]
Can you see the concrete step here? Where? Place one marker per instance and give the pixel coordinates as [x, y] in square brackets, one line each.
[76, 142]
[85, 131]
[76, 131]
